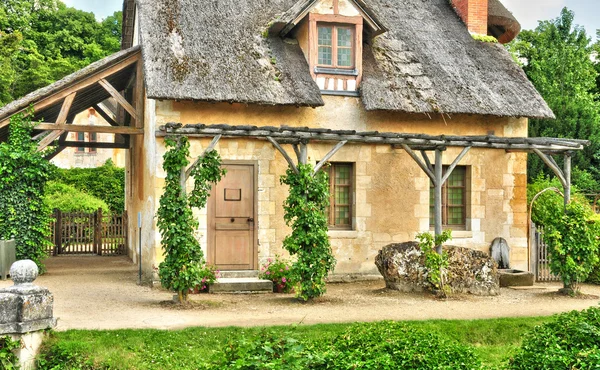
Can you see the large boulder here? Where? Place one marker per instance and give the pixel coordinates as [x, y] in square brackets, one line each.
[469, 271]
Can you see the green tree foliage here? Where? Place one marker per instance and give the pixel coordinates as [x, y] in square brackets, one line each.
[42, 41]
[305, 214]
[106, 183]
[558, 61]
[184, 266]
[570, 341]
[68, 199]
[23, 174]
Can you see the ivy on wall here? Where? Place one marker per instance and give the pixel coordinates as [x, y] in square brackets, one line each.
[23, 174]
[305, 214]
[184, 266]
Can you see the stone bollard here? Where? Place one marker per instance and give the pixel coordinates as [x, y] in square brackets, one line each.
[26, 312]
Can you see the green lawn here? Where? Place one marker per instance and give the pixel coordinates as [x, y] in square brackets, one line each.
[493, 341]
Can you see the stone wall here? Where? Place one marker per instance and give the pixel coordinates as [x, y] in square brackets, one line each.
[391, 193]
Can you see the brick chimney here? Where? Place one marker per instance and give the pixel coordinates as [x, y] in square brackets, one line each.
[474, 13]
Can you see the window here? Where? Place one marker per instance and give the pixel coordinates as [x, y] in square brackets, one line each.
[93, 139]
[80, 137]
[339, 213]
[454, 200]
[336, 46]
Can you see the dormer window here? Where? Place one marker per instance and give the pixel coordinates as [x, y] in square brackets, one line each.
[330, 33]
[335, 46]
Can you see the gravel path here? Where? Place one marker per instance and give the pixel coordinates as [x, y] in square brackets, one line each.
[101, 293]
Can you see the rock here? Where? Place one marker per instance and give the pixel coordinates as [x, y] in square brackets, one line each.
[500, 252]
[469, 271]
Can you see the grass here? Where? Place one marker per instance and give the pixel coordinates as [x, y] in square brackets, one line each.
[493, 341]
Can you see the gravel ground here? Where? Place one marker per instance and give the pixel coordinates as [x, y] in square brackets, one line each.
[101, 293]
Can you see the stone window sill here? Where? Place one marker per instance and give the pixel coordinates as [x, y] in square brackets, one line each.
[342, 234]
[462, 234]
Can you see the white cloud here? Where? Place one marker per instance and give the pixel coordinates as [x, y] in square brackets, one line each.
[529, 12]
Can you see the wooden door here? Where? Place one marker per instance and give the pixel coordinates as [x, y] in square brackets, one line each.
[232, 213]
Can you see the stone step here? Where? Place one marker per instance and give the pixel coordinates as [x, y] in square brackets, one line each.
[239, 274]
[241, 285]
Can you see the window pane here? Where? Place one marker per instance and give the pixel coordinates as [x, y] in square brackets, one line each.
[93, 136]
[455, 216]
[342, 175]
[342, 215]
[344, 37]
[80, 136]
[325, 35]
[458, 177]
[344, 57]
[325, 57]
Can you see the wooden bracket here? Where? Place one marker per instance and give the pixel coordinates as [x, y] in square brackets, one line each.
[329, 155]
[285, 155]
[210, 147]
[564, 175]
[118, 97]
[62, 118]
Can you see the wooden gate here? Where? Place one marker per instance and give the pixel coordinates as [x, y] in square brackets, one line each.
[540, 257]
[88, 233]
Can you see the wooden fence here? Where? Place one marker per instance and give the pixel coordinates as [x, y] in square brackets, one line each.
[88, 233]
[539, 255]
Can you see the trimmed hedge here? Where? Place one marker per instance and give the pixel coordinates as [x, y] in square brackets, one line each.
[571, 341]
[68, 199]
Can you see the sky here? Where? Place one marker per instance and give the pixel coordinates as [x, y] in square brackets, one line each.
[528, 12]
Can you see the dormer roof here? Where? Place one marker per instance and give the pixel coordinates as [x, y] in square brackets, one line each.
[283, 24]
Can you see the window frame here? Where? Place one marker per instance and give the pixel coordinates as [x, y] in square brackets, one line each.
[332, 185]
[334, 45]
[80, 137]
[446, 205]
[93, 138]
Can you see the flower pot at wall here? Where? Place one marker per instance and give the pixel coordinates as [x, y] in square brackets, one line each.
[278, 288]
[7, 257]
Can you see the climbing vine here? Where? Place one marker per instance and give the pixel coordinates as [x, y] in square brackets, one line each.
[8, 359]
[23, 175]
[305, 214]
[435, 263]
[184, 265]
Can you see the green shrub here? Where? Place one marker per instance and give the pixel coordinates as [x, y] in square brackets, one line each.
[106, 182]
[278, 270]
[570, 341]
[383, 345]
[68, 199]
[8, 359]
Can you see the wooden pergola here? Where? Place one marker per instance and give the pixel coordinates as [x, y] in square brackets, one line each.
[118, 77]
[299, 138]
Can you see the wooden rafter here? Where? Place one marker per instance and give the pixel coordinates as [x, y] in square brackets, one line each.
[118, 97]
[62, 118]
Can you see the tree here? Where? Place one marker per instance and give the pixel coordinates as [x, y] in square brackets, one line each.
[23, 175]
[558, 60]
[42, 41]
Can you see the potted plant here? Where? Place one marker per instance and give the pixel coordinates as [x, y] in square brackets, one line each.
[207, 275]
[278, 270]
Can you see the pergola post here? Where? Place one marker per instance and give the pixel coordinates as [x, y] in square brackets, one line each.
[567, 173]
[564, 175]
[437, 197]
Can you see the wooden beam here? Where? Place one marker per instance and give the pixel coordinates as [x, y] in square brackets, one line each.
[427, 161]
[437, 197]
[567, 175]
[124, 130]
[329, 155]
[551, 163]
[210, 147]
[423, 166]
[97, 145]
[284, 153]
[62, 118]
[139, 95]
[105, 115]
[454, 164]
[118, 97]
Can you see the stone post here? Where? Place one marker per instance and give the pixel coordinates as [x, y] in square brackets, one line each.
[26, 312]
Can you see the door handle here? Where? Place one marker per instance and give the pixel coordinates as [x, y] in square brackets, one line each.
[250, 219]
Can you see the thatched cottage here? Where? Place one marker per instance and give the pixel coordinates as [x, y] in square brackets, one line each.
[378, 80]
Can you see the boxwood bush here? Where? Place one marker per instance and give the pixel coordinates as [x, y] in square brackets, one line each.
[571, 341]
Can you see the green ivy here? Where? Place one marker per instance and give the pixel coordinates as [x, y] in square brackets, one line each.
[184, 266]
[8, 359]
[305, 214]
[23, 174]
[435, 263]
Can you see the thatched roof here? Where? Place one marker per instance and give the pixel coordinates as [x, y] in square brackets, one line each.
[502, 24]
[427, 62]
